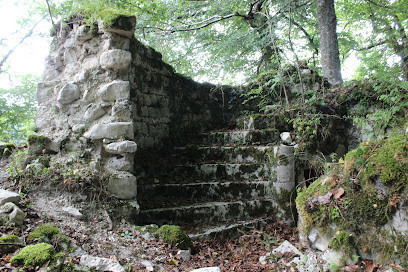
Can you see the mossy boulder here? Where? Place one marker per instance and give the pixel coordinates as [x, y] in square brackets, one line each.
[8, 243]
[6, 149]
[49, 233]
[33, 255]
[37, 144]
[365, 202]
[175, 236]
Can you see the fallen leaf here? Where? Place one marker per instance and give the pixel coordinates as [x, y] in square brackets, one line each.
[173, 262]
[324, 199]
[337, 193]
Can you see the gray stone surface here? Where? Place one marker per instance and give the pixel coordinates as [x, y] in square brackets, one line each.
[114, 130]
[12, 213]
[74, 212]
[121, 147]
[93, 112]
[121, 164]
[184, 255]
[207, 269]
[286, 247]
[7, 196]
[123, 185]
[83, 33]
[100, 264]
[115, 59]
[115, 90]
[68, 94]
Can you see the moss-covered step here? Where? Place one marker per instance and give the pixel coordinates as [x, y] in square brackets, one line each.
[232, 154]
[264, 121]
[225, 171]
[205, 191]
[207, 213]
[243, 137]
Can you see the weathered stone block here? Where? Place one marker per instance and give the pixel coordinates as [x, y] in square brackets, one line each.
[121, 147]
[12, 213]
[115, 59]
[68, 94]
[115, 90]
[122, 164]
[123, 185]
[122, 111]
[115, 130]
[83, 33]
[7, 196]
[93, 112]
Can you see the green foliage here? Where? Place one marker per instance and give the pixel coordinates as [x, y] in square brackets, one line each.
[17, 109]
[342, 240]
[34, 255]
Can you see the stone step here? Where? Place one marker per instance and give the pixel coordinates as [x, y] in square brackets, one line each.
[230, 230]
[264, 121]
[231, 154]
[221, 171]
[205, 191]
[205, 213]
[242, 137]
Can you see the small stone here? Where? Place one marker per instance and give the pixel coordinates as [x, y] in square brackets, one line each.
[122, 164]
[286, 137]
[184, 255]
[83, 33]
[286, 247]
[101, 264]
[73, 212]
[115, 90]
[93, 112]
[148, 265]
[68, 94]
[115, 59]
[12, 213]
[7, 196]
[114, 130]
[121, 147]
[207, 269]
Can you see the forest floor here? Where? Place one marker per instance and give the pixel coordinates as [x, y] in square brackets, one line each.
[96, 234]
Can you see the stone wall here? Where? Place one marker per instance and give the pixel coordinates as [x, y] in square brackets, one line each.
[106, 94]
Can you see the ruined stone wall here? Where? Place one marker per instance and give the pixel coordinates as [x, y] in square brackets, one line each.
[106, 94]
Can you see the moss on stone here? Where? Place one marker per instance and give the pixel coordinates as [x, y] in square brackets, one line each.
[375, 182]
[175, 236]
[110, 16]
[43, 233]
[9, 239]
[34, 255]
[38, 139]
[343, 241]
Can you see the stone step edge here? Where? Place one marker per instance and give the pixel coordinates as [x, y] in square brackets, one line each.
[223, 230]
[208, 183]
[206, 204]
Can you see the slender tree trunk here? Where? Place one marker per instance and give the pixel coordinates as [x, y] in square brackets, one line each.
[329, 47]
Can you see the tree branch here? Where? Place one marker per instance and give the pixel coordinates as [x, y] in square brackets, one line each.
[378, 5]
[49, 11]
[371, 46]
[11, 51]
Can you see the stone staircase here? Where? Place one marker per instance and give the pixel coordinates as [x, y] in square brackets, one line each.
[228, 180]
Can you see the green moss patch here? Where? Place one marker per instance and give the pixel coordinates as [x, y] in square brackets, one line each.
[34, 255]
[175, 236]
[111, 17]
[43, 233]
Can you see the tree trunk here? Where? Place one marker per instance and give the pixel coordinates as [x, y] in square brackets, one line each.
[329, 47]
